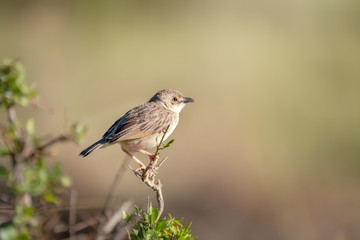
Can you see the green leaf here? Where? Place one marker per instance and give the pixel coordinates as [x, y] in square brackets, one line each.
[160, 225]
[135, 231]
[165, 229]
[188, 226]
[29, 212]
[5, 152]
[126, 216]
[3, 172]
[55, 173]
[65, 181]
[24, 236]
[18, 188]
[50, 197]
[30, 127]
[168, 144]
[13, 88]
[154, 214]
[178, 222]
[40, 163]
[78, 131]
[8, 232]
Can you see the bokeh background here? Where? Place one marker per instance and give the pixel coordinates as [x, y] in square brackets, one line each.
[271, 148]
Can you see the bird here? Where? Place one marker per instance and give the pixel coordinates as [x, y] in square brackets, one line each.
[142, 128]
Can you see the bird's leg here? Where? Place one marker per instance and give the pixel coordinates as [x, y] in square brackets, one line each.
[153, 158]
[142, 166]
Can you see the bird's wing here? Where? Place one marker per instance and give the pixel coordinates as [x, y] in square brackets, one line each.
[141, 121]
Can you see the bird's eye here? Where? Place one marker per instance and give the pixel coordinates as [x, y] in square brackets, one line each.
[174, 99]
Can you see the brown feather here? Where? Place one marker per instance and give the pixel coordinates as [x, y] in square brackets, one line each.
[143, 120]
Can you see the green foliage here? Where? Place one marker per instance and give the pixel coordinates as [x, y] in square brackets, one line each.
[41, 182]
[8, 232]
[13, 88]
[3, 172]
[148, 228]
[167, 145]
[33, 186]
[78, 131]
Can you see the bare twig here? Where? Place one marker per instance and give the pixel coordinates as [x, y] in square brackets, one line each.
[61, 227]
[114, 220]
[39, 150]
[148, 176]
[60, 138]
[118, 176]
[116, 217]
[158, 147]
[72, 214]
[11, 114]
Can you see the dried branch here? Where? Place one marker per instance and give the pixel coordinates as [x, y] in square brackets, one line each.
[72, 214]
[116, 217]
[148, 176]
[118, 176]
[114, 220]
[39, 150]
[11, 114]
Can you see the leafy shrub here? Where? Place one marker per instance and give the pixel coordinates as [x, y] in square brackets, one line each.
[149, 228]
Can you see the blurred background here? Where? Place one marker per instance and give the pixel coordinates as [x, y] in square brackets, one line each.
[271, 148]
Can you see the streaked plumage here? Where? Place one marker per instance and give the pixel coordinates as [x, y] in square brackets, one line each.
[141, 128]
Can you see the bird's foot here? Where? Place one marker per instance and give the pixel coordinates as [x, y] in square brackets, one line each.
[139, 172]
[153, 160]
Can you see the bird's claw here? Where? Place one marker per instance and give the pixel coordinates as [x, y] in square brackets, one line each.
[139, 171]
[153, 159]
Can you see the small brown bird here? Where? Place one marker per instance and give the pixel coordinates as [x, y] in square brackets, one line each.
[142, 128]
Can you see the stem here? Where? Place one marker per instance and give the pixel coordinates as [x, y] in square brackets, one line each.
[72, 214]
[60, 138]
[11, 114]
[12, 118]
[110, 195]
[158, 147]
[148, 177]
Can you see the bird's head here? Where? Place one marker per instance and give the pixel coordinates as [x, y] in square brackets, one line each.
[171, 99]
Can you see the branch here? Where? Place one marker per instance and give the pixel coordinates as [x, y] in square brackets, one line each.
[12, 118]
[116, 218]
[72, 214]
[11, 114]
[39, 150]
[60, 138]
[148, 176]
[117, 178]
[158, 147]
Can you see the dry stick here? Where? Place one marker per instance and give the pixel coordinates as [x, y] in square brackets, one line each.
[116, 217]
[72, 214]
[17, 158]
[158, 147]
[11, 114]
[60, 138]
[110, 195]
[148, 176]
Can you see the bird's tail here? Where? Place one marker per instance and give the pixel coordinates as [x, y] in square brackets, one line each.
[91, 148]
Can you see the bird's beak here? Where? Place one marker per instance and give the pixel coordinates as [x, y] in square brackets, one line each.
[187, 99]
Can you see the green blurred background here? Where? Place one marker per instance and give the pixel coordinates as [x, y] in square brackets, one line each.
[271, 148]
